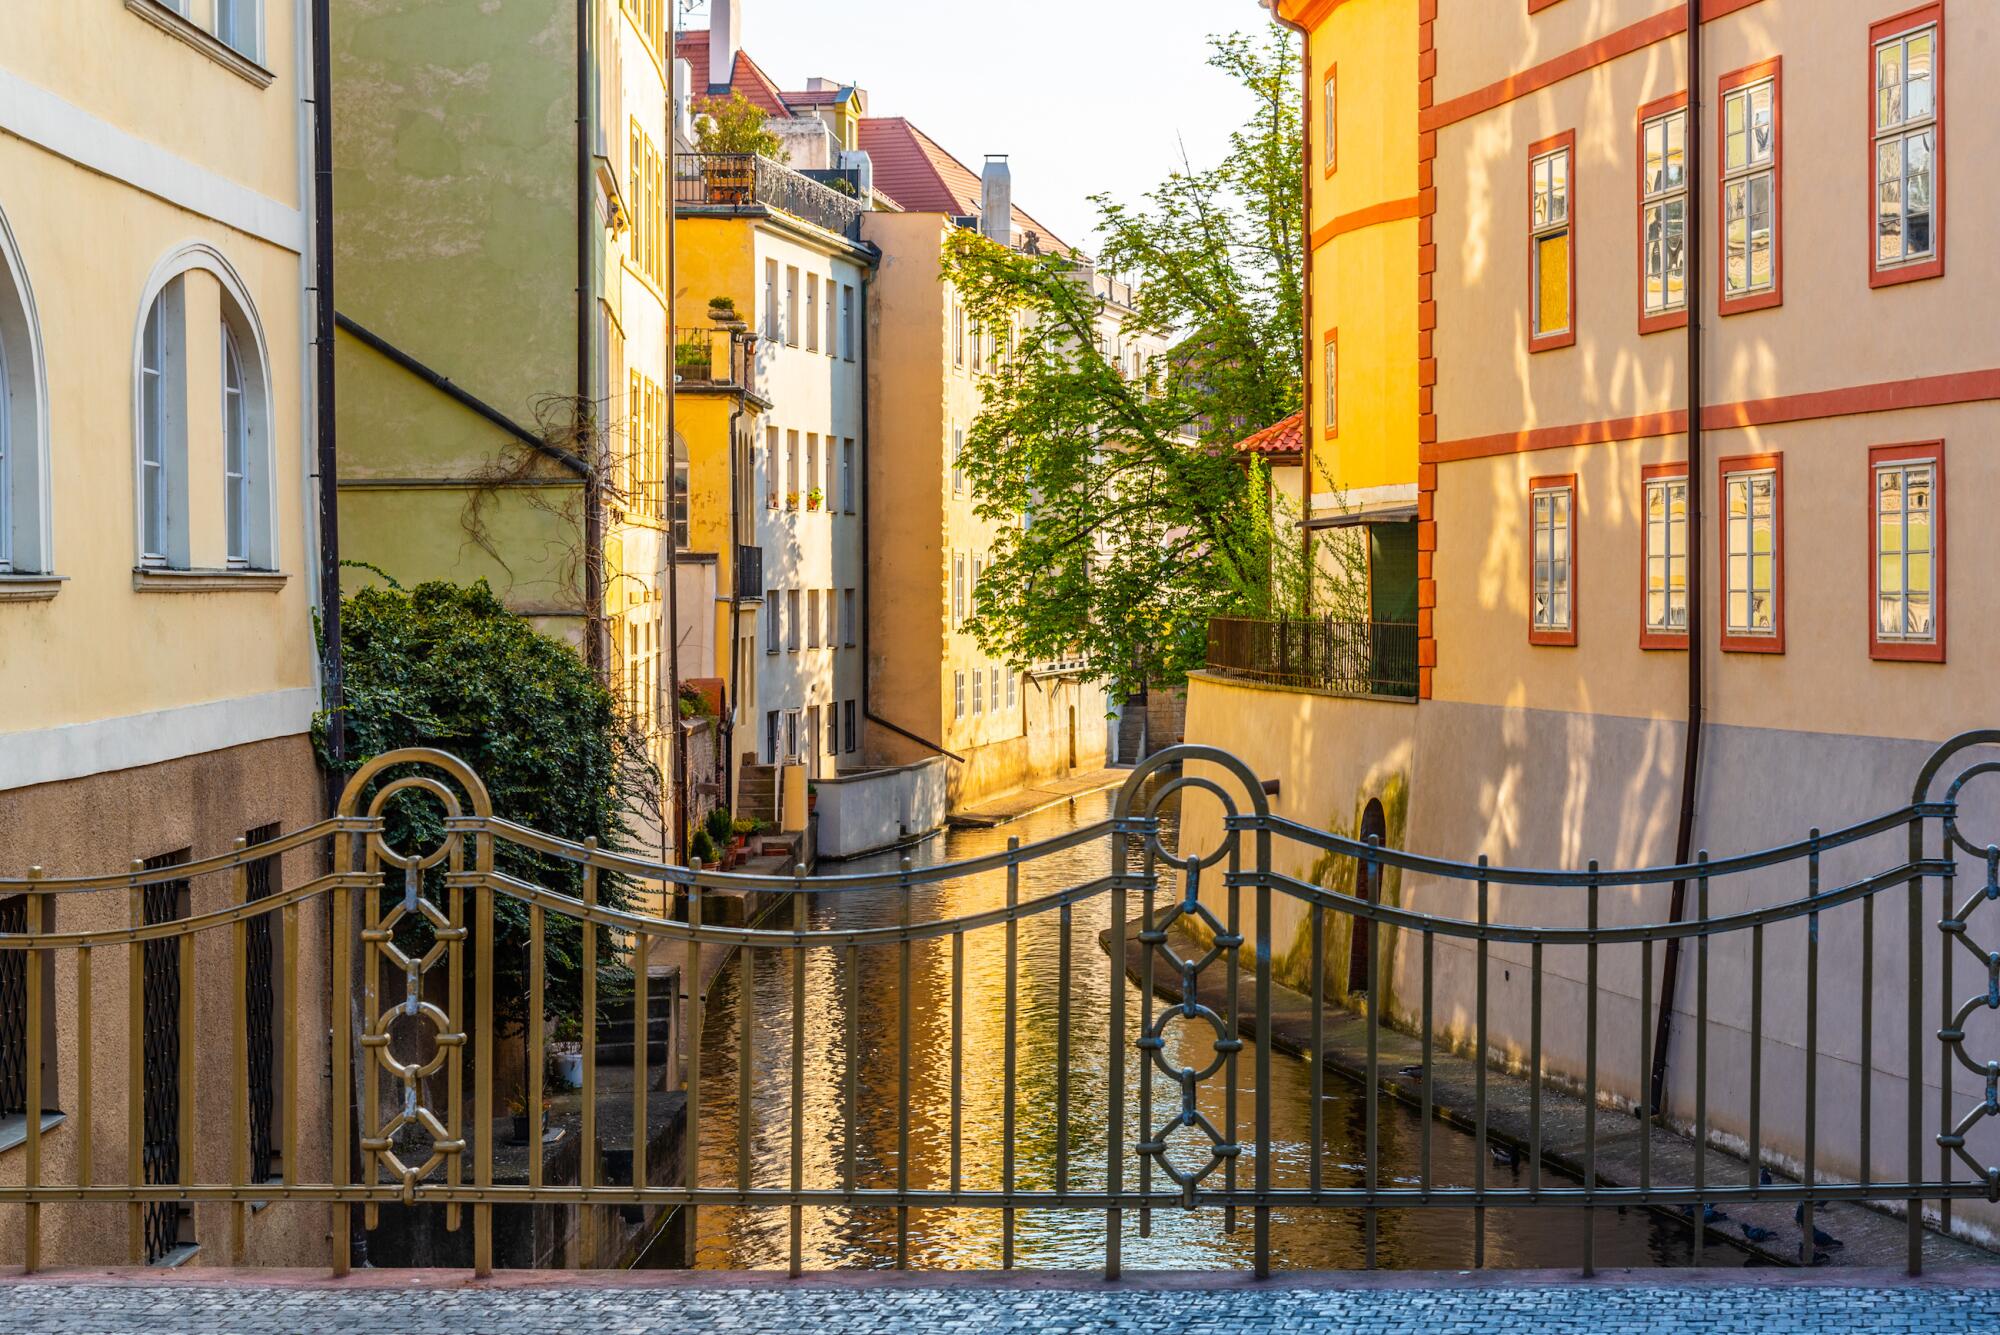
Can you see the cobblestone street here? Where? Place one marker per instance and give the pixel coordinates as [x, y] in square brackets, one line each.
[857, 1305]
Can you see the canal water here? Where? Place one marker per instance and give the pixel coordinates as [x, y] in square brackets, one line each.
[745, 1238]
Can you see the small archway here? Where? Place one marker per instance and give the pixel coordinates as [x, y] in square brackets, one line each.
[1368, 888]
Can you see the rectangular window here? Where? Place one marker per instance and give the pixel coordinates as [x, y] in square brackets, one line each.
[972, 593]
[832, 729]
[793, 629]
[771, 736]
[979, 690]
[847, 628]
[812, 619]
[791, 305]
[1750, 165]
[957, 334]
[236, 26]
[1906, 586]
[978, 347]
[1012, 677]
[1665, 612]
[1330, 368]
[1907, 146]
[1552, 570]
[957, 451]
[957, 588]
[847, 475]
[812, 312]
[792, 720]
[993, 691]
[1329, 120]
[1663, 207]
[1753, 567]
[791, 470]
[827, 494]
[773, 467]
[850, 733]
[958, 695]
[812, 462]
[773, 326]
[774, 621]
[832, 332]
[847, 341]
[1552, 243]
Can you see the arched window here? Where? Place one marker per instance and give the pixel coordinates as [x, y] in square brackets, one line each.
[24, 535]
[185, 445]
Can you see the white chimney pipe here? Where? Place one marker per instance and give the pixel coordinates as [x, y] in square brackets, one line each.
[725, 39]
[996, 200]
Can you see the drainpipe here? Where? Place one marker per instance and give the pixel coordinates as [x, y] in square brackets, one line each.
[678, 756]
[1306, 299]
[868, 504]
[1691, 762]
[332, 667]
[593, 485]
[739, 505]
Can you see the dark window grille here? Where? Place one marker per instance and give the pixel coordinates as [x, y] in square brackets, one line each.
[13, 1011]
[160, 987]
[260, 1011]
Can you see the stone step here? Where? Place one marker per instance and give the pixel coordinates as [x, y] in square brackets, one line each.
[620, 1054]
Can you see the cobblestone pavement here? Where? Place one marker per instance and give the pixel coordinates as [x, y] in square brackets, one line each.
[1186, 1304]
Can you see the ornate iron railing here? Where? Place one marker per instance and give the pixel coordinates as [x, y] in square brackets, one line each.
[731, 181]
[1199, 925]
[1323, 654]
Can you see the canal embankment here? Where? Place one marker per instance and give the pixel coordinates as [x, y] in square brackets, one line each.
[1627, 1150]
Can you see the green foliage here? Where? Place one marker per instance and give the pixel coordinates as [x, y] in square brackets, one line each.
[449, 667]
[1127, 522]
[718, 825]
[702, 847]
[734, 124]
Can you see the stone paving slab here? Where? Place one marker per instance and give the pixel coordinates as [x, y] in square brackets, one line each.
[1038, 797]
[261, 1303]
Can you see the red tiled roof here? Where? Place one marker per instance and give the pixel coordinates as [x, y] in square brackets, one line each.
[757, 87]
[912, 169]
[1284, 438]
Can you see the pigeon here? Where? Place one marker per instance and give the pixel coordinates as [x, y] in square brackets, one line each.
[1709, 1214]
[1507, 1156]
[1821, 1238]
[1755, 1234]
[1763, 1177]
[1411, 1072]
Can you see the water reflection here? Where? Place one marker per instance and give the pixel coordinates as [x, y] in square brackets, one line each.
[858, 1041]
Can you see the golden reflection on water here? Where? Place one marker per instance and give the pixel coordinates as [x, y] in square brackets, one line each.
[838, 1237]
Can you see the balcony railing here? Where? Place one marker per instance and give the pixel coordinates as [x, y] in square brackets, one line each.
[1321, 654]
[727, 181]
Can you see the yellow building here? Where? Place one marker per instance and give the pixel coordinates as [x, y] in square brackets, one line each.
[158, 552]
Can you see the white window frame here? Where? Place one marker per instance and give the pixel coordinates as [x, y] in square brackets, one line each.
[847, 617]
[1552, 513]
[774, 617]
[236, 461]
[1746, 177]
[812, 619]
[993, 691]
[1669, 557]
[791, 305]
[793, 617]
[957, 457]
[1549, 211]
[847, 475]
[812, 312]
[1661, 193]
[978, 691]
[25, 546]
[774, 469]
[1734, 550]
[847, 321]
[832, 346]
[1905, 555]
[228, 15]
[162, 435]
[958, 694]
[1012, 678]
[957, 589]
[1895, 130]
[774, 325]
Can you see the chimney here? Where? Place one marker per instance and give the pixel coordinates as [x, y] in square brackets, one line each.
[996, 200]
[725, 39]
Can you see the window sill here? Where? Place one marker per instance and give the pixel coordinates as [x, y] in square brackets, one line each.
[184, 29]
[148, 579]
[29, 588]
[14, 1128]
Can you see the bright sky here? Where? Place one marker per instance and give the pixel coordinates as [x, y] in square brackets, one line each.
[1085, 96]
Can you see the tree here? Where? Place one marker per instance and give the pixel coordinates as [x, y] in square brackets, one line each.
[1129, 522]
[448, 666]
[734, 124]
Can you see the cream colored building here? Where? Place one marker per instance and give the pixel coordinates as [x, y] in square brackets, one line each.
[157, 560]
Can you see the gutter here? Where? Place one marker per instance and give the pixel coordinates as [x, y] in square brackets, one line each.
[670, 376]
[867, 584]
[594, 648]
[1663, 1030]
[333, 671]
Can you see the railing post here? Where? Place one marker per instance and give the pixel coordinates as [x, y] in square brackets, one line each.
[1114, 1137]
[1261, 1225]
[1915, 1069]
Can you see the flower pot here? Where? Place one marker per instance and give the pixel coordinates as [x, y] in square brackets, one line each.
[519, 1134]
[569, 1063]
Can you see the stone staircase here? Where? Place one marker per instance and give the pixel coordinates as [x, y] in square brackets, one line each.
[757, 793]
[1132, 733]
[615, 1046]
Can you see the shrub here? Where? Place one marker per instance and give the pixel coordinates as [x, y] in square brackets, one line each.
[718, 825]
[702, 847]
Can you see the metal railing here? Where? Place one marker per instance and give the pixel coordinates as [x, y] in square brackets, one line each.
[1322, 654]
[1197, 926]
[733, 181]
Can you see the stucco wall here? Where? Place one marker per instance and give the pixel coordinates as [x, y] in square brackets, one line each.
[862, 812]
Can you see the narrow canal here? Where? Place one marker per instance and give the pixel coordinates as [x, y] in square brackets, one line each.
[742, 1238]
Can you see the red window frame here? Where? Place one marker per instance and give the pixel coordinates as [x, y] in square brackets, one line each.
[1774, 70]
[1329, 115]
[1537, 6]
[1922, 16]
[1653, 324]
[1330, 392]
[1565, 638]
[1899, 651]
[1566, 144]
[1648, 637]
[1774, 643]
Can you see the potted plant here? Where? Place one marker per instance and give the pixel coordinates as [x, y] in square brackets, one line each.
[814, 497]
[791, 500]
[517, 1109]
[812, 796]
[701, 848]
[567, 1051]
[741, 829]
[722, 309]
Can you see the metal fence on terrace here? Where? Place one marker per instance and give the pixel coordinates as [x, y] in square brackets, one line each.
[1344, 657]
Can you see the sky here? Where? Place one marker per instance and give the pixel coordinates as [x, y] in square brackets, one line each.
[1085, 96]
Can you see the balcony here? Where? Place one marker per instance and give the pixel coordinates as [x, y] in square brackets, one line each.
[1360, 658]
[734, 182]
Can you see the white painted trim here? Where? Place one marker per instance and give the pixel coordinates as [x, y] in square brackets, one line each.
[17, 269]
[76, 750]
[181, 28]
[41, 118]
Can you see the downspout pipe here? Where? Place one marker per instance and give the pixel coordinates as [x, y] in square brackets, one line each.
[1306, 289]
[867, 547]
[1663, 1030]
[594, 651]
[678, 758]
[333, 672]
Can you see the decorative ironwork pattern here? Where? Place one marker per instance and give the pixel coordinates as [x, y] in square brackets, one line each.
[13, 1011]
[260, 1010]
[165, 901]
[1957, 924]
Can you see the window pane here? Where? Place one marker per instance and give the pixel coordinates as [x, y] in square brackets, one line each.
[1760, 232]
[1552, 289]
[1735, 138]
[1735, 237]
[1889, 200]
[1676, 150]
[1763, 127]
[1676, 245]
[1917, 192]
[1889, 85]
[1920, 624]
[1917, 99]
[1656, 157]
